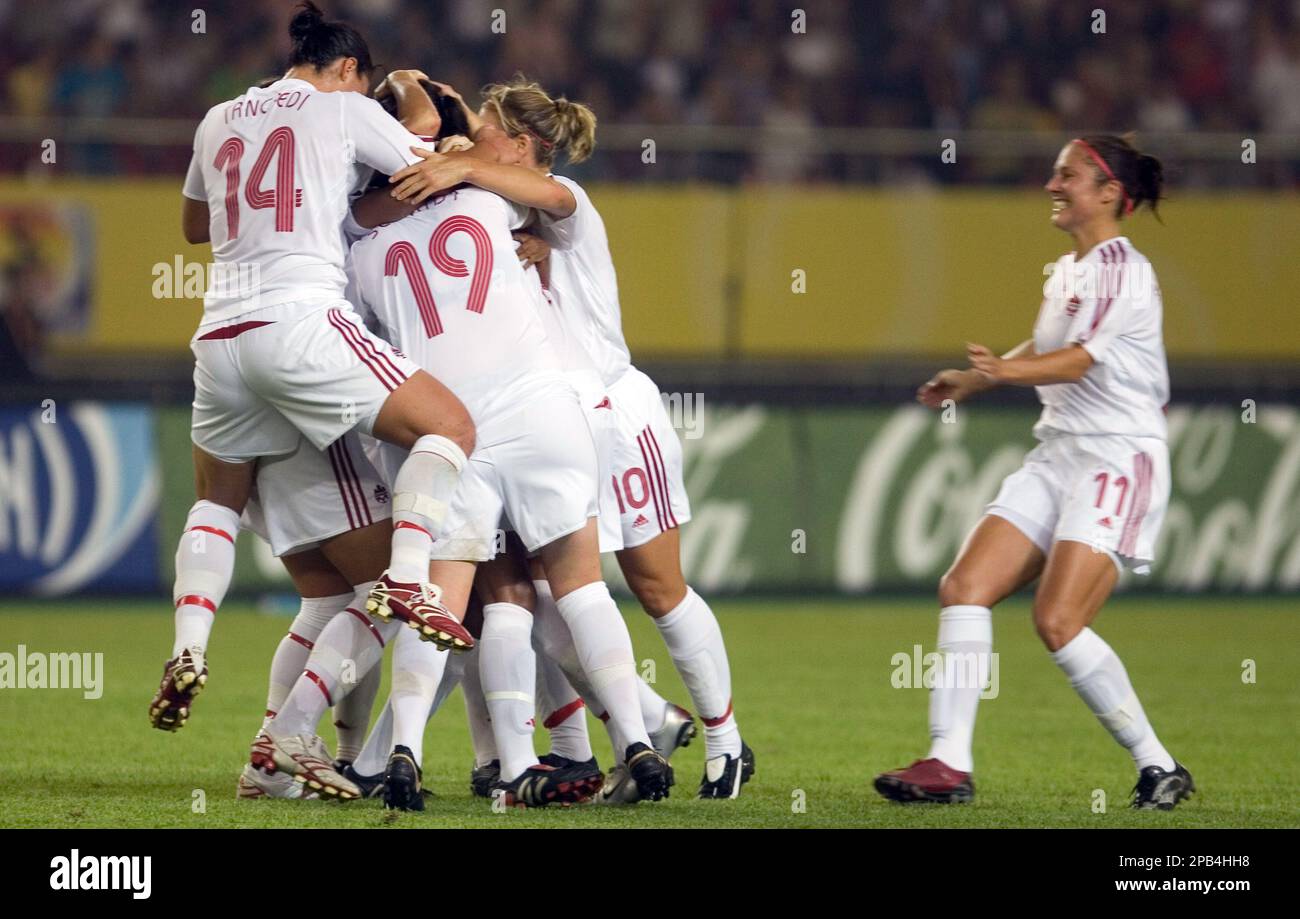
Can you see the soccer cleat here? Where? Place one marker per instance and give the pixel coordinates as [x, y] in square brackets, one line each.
[258, 783]
[1157, 789]
[558, 761]
[618, 788]
[305, 758]
[420, 607]
[539, 786]
[183, 679]
[402, 781]
[926, 780]
[372, 786]
[724, 775]
[677, 731]
[483, 779]
[650, 771]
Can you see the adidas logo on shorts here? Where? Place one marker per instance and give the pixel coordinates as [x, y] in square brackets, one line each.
[640, 520]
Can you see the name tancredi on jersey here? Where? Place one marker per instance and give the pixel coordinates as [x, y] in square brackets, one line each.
[244, 107]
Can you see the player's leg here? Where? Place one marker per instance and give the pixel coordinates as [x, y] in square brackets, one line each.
[205, 563]
[324, 593]
[694, 639]
[1077, 580]
[561, 711]
[996, 560]
[418, 669]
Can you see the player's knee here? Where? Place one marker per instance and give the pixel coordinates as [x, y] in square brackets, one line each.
[658, 596]
[957, 588]
[1055, 626]
[518, 593]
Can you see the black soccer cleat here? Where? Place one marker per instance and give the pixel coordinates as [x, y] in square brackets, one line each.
[402, 781]
[724, 775]
[1157, 789]
[559, 762]
[482, 779]
[372, 786]
[541, 785]
[650, 771]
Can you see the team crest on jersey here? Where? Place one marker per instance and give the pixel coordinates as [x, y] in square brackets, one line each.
[381, 494]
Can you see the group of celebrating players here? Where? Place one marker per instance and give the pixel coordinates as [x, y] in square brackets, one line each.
[432, 357]
[425, 404]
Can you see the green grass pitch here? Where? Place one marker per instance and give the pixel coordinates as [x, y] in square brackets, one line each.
[813, 694]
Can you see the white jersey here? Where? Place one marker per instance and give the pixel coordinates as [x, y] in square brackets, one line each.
[583, 277]
[276, 167]
[445, 286]
[1108, 302]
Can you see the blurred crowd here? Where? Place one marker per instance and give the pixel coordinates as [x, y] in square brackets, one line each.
[791, 66]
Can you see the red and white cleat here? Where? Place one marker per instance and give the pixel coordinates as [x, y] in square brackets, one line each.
[183, 678]
[305, 758]
[926, 780]
[420, 607]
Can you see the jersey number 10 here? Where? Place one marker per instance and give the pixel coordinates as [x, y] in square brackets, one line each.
[402, 255]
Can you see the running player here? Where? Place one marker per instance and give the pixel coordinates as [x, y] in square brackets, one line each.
[643, 490]
[280, 354]
[445, 284]
[1090, 498]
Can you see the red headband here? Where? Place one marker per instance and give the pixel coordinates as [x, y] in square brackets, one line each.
[1128, 202]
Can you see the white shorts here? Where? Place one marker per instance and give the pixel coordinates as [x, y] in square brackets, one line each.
[308, 496]
[643, 488]
[533, 471]
[1109, 492]
[309, 367]
[598, 408]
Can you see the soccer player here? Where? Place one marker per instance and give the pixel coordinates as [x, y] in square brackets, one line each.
[644, 491]
[444, 283]
[1089, 499]
[280, 353]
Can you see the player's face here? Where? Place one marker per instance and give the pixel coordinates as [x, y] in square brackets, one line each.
[512, 151]
[1077, 197]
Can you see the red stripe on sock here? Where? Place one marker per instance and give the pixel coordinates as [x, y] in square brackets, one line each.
[407, 525]
[196, 600]
[365, 620]
[561, 715]
[715, 722]
[302, 641]
[219, 532]
[320, 684]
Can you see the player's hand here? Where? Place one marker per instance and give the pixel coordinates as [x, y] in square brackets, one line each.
[454, 143]
[436, 173]
[944, 385]
[446, 89]
[531, 249]
[984, 362]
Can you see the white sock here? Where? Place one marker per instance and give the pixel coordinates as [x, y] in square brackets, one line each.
[507, 669]
[561, 711]
[348, 647]
[654, 707]
[352, 713]
[422, 489]
[205, 562]
[604, 648]
[965, 641]
[314, 613]
[476, 710]
[695, 644]
[1098, 676]
[373, 758]
[418, 667]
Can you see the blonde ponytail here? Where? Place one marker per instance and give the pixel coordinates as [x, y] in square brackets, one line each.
[524, 107]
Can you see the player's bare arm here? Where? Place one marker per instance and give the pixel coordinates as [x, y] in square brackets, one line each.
[960, 385]
[194, 221]
[1065, 365]
[415, 110]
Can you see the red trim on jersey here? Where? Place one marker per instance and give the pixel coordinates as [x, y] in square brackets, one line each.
[407, 525]
[320, 684]
[653, 486]
[663, 475]
[721, 719]
[215, 531]
[561, 714]
[1142, 468]
[302, 641]
[1113, 254]
[196, 600]
[365, 620]
[380, 364]
[232, 331]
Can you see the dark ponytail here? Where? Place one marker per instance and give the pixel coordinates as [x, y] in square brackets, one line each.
[318, 42]
[1141, 175]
